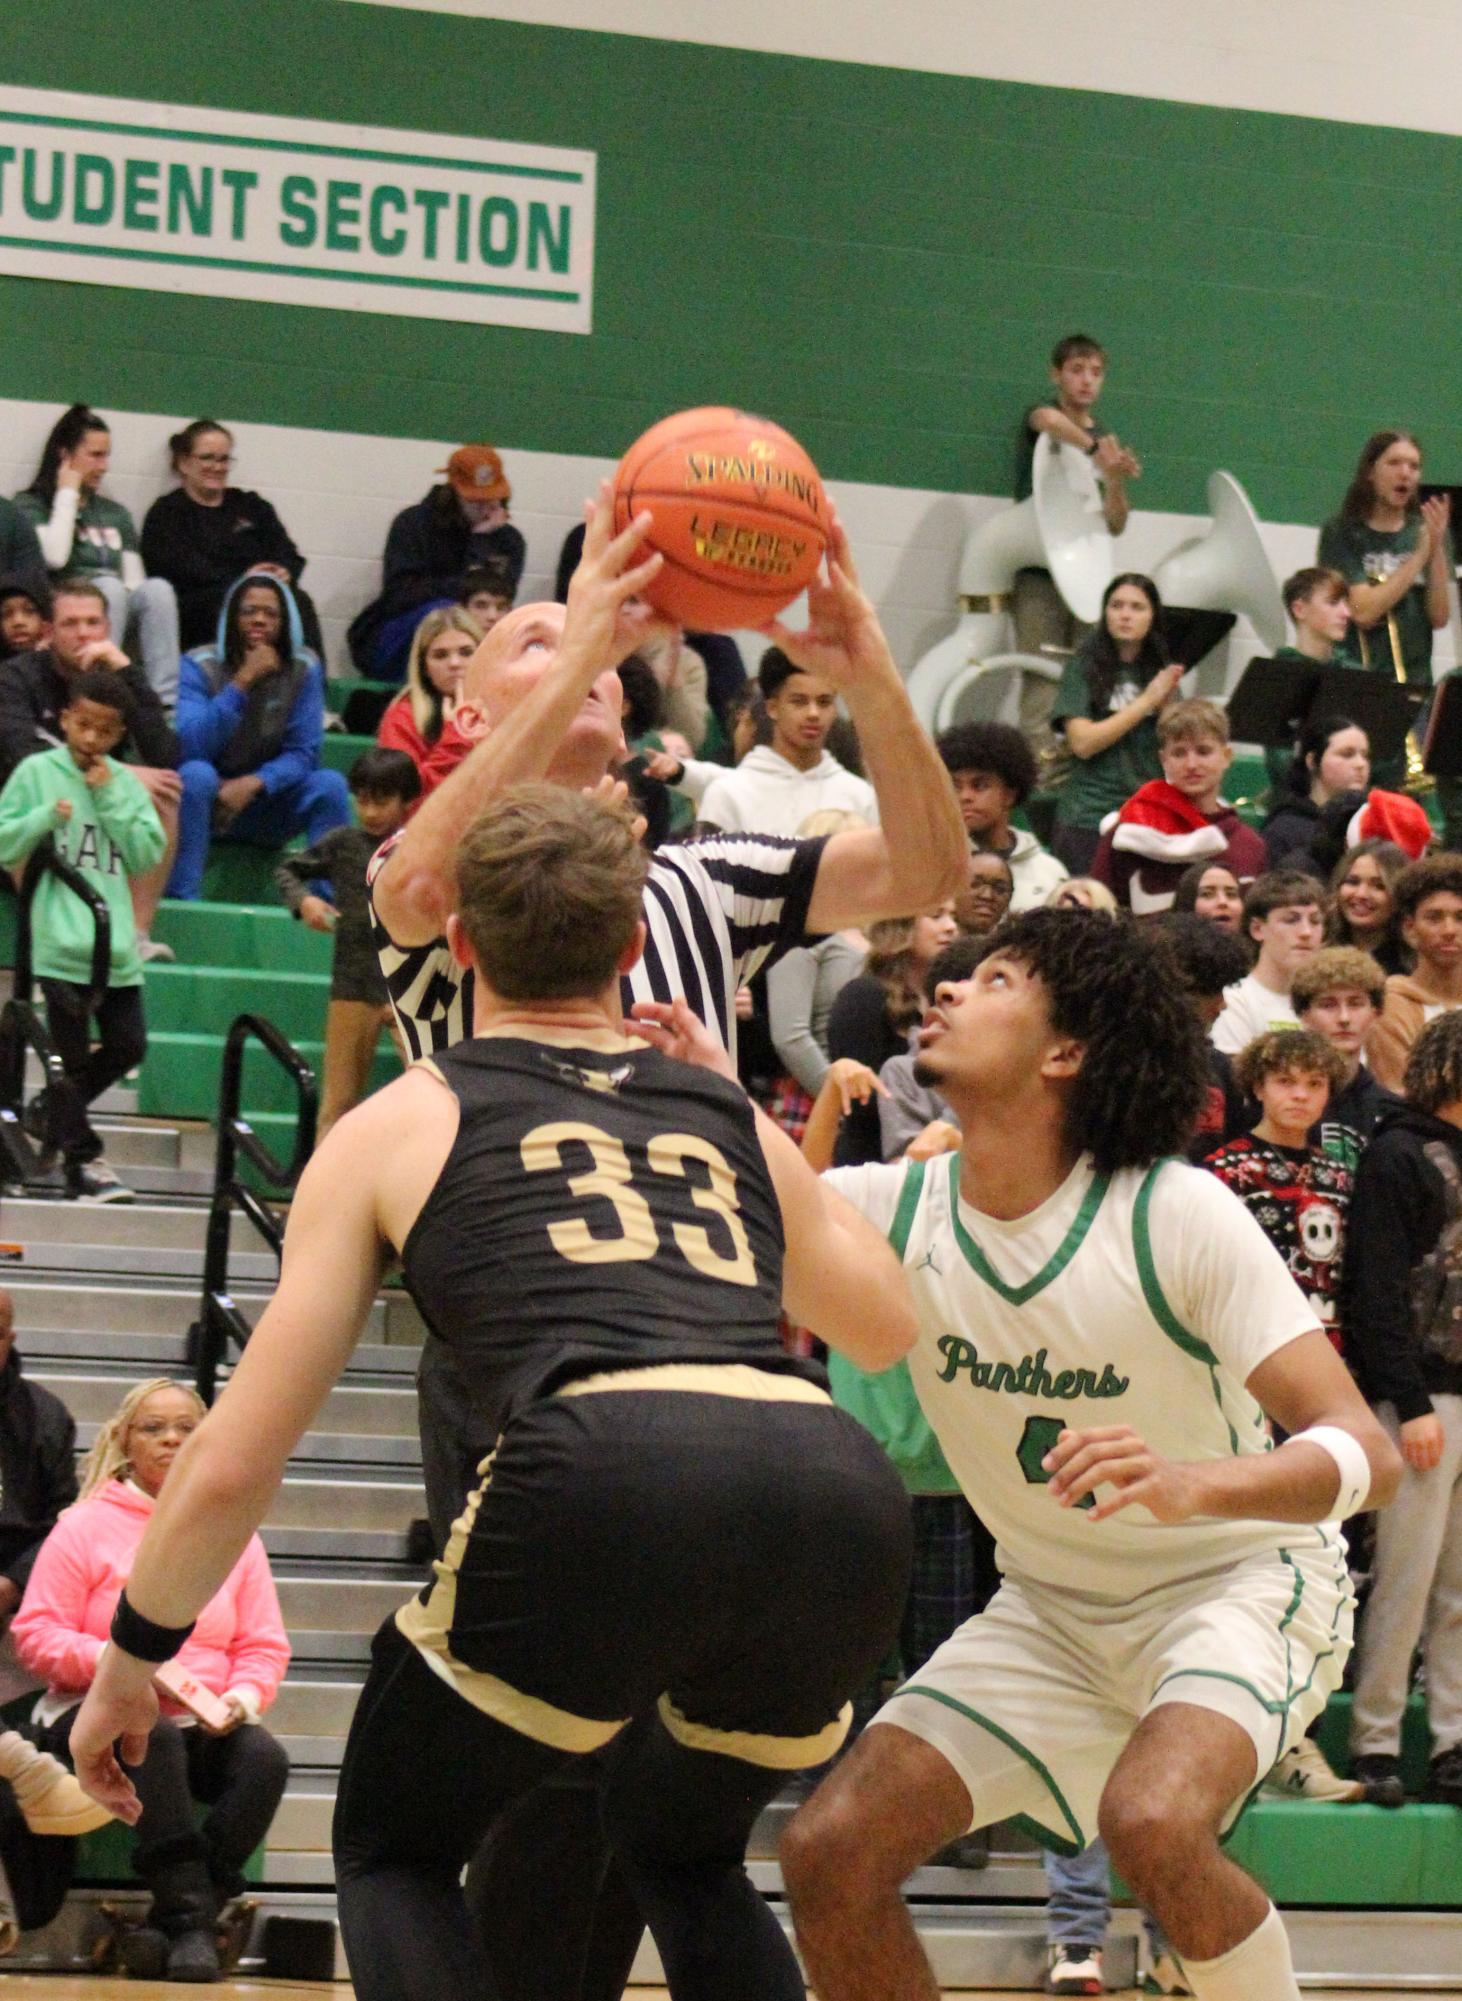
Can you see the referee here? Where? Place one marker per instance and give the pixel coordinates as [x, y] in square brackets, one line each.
[680, 1555]
[542, 698]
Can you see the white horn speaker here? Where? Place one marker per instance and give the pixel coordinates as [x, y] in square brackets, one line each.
[1060, 528]
[1227, 567]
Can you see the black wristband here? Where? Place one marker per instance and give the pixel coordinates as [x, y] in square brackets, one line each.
[144, 1640]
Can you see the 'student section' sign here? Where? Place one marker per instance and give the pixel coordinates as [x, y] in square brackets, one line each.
[231, 204]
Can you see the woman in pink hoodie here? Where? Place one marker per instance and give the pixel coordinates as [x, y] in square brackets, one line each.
[238, 1651]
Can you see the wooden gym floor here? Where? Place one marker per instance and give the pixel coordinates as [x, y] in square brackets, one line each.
[47, 1987]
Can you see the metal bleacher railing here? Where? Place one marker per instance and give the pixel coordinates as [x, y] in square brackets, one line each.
[219, 1320]
[21, 1025]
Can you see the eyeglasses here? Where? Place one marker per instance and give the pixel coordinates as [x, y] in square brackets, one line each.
[213, 458]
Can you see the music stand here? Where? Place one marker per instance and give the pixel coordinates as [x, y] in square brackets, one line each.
[1276, 699]
[1442, 752]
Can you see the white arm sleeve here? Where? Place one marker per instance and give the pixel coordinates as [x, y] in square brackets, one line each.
[57, 535]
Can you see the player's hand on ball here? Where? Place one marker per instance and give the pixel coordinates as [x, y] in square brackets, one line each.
[675, 1029]
[842, 641]
[1116, 1457]
[606, 618]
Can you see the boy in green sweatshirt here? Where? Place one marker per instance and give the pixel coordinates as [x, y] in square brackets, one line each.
[104, 824]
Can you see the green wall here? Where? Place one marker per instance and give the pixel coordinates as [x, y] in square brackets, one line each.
[878, 258]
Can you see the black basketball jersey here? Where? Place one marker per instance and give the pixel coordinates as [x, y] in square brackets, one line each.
[597, 1211]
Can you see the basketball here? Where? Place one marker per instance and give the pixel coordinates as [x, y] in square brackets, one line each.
[740, 516]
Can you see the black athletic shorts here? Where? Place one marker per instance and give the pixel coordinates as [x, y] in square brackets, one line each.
[739, 1560]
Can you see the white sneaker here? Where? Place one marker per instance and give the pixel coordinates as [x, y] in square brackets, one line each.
[1074, 1969]
[97, 1181]
[1302, 1774]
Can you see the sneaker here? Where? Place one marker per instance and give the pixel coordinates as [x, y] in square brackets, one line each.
[49, 1798]
[1380, 1774]
[1302, 1774]
[1074, 1969]
[152, 951]
[97, 1181]
[1165, 1976]
[1444, 1778]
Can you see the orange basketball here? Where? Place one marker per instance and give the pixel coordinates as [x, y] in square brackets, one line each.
[739, 516]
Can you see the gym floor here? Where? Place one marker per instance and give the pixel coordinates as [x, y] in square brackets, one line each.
[45, 1987]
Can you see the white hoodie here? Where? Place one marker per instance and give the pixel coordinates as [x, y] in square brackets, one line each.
[767, 795]
[1035, 870]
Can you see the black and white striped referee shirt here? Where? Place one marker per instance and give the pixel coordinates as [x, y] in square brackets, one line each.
[717, 911]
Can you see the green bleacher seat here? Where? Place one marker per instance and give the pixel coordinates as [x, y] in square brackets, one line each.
[106, 1855]
[205, 999]
[1406, 1858]
[260, 936]
[180, 1077]
[339, 751]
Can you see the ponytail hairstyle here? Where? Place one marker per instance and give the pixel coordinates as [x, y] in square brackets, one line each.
[182, 444]
[1360, 495]
[107, 1459]
[66, 434]
[1105, 665]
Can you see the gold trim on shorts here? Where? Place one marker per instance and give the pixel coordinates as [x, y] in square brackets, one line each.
[720, 1379]
[775, 1754]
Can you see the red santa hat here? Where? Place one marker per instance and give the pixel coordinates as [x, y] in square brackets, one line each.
[1161, 825]
[1392, 816]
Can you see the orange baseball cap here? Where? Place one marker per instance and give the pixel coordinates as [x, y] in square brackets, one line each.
[476, 472]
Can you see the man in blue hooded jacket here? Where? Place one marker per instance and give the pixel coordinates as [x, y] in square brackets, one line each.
[251, 713]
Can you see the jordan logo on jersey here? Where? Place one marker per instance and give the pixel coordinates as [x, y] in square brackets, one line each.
[1030, 1377]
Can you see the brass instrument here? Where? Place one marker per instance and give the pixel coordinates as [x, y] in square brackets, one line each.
[1418, 779]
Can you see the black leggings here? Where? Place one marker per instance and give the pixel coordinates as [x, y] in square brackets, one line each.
[121, 1046]
[426, 1775]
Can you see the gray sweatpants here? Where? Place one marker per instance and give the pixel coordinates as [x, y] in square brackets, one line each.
[1416, 1596]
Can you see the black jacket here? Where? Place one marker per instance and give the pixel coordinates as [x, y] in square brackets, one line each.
[1396, 1216]
[201, 550]
[429, 550]
[33, 694]
[37, 1468]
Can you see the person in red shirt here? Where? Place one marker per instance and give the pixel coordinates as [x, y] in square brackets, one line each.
[441, 647]
[1174, 821]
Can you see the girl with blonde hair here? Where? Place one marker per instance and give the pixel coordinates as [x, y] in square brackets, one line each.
[441, 647]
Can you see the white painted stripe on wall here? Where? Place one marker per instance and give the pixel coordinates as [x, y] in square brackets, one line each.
[337, 492]
[1340, 59]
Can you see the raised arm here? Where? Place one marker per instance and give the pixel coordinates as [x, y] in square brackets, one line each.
[413, 891]
[918, 855]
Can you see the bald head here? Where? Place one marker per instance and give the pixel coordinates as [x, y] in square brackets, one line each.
[507, 667]
[530, 628]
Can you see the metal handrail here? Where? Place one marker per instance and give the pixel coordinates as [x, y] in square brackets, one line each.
[21, 1025]
[219, 1320]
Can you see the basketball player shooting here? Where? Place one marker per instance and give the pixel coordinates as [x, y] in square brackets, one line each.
[679, 1555]
[1102, 1333]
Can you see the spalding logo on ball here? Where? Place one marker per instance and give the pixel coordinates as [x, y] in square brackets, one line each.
[739, 516]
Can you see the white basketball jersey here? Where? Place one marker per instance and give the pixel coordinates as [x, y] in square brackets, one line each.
[1145, 1298]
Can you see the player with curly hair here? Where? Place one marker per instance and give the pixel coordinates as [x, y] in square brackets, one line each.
[1103, 1330]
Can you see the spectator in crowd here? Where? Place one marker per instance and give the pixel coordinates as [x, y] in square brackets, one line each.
[1298, 1194]
[993, 769]
[986, 898]
[82, 533]
[102, 821]
[1068, 417]
[1108, 701]
[1282, 916]
[1363, 903]
[1392, 549]
[441, 646]
[680, 673]
[1332, 763]
[1207, 961]
[804, 983]
[1317, 601]
[1078, 1917]
[384, 785]
[430, 549]
[251, 716]
[873, 1014]
[34, 689]
[1211, 890]
[776, 786]
[1082, 892]
[20, 552]
[749, 728]
[913, 1118]
[25, 615]
[237, 1651]
[1173, 821]
[1340, 994]
[37, 1476]
[488, 590]
[1404, 1310]
[205, 534]
[1428, 900]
